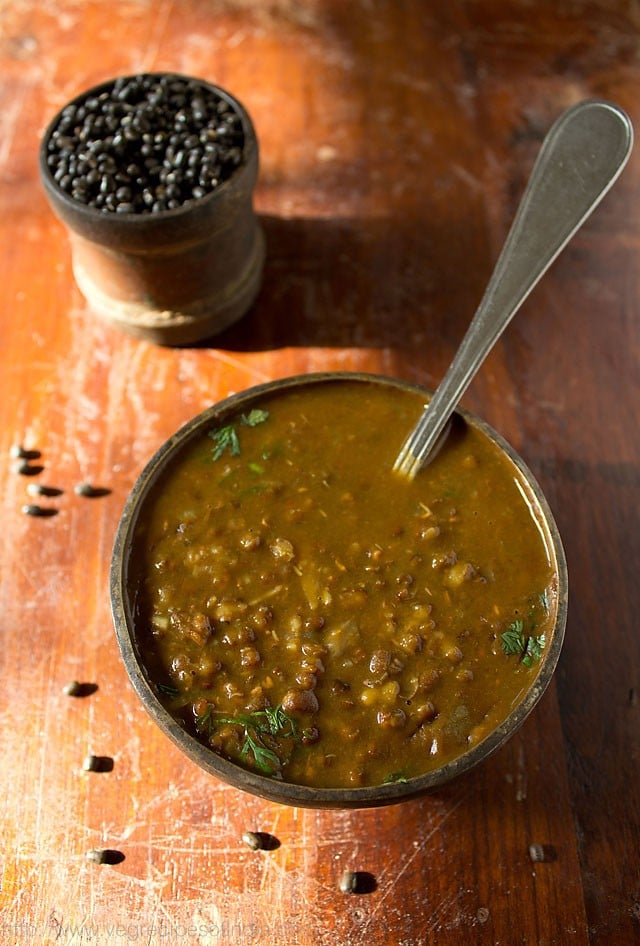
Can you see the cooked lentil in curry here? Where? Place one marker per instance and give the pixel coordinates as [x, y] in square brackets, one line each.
[309, 615]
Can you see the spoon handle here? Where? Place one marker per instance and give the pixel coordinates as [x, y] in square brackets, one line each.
[581, 157]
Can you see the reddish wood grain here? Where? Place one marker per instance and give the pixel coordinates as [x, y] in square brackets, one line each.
[395, 142]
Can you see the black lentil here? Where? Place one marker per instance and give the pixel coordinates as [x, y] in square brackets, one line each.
[39, 489]
[349, 882]
[105, 856]
[98, 763]
[357, 881]
[260, 841]
[146, 144]
[19, 452]
[540, 853]
[90, 491]
[25, 468]
[76, 689]
[31, 509]
[253, 840]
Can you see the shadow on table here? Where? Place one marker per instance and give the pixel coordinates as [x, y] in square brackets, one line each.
[369, 283]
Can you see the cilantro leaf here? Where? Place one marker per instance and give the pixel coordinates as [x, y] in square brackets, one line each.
[226, 438]
[260, 730]
[395, 778]
[533, 650]
[254, 417]
[513, 639]
[527, 647]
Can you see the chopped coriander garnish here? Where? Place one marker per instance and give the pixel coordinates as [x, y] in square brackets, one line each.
[513, 639]
[526, 646]
[226, 438]
[261, 731]
[395, 778]
[168, 690]
[254, 417]
[533, 651]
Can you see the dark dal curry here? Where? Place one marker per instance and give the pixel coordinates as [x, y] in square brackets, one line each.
[309, 615]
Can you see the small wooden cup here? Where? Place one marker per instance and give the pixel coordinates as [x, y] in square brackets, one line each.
[174, 277]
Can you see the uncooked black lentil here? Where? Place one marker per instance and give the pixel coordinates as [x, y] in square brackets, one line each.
[260, 841]
[105, 856]
[541, 853]
[25, 468]
[31, 509]
[77, 689]
[349, 882]
[146, 144]
[18, 452]
[90, 491]
[97, 763]
[253, 840]
[39, 489]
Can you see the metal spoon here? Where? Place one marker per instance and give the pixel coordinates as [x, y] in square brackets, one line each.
[581, 157]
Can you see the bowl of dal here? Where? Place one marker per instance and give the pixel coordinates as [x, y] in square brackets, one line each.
[310, 627]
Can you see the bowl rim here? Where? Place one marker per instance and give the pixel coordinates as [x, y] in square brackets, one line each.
[261, 785]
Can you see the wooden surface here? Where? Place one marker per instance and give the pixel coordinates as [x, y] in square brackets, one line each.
[396, 136]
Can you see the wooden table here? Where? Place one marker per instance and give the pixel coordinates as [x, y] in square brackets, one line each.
[395, 138]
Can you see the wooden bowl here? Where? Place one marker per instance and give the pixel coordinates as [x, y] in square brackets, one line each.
[123, 591]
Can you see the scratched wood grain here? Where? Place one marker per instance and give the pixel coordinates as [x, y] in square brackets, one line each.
[395, 142]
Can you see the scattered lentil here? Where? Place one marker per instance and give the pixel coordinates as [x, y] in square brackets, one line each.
[76, 689]
[253, 840]
[39, 489]
[145, 144]
[18, 452]
[90, 491]
[25, 468]
[349, 882]
[539, 853]
[31, 509]
[105, 856]
[260, 841]
[98, 763]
